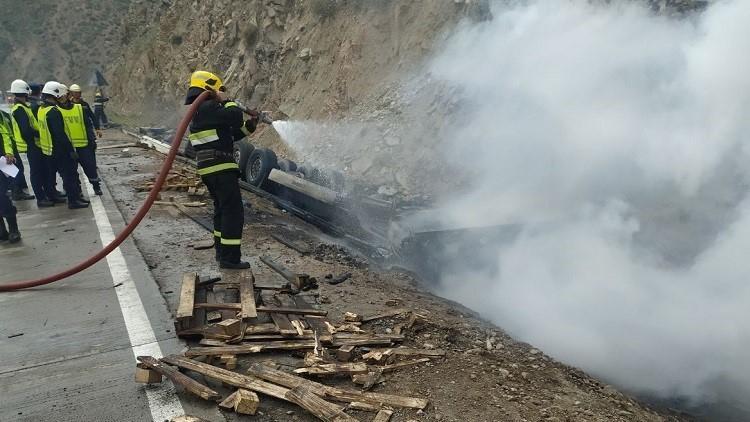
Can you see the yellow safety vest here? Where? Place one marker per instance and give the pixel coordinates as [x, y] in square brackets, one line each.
[20, 142]
[75, 126]
[5, 133]
[45, 137]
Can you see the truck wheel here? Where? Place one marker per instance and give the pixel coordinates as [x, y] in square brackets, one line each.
[259, 166]
[288, 166]
[241, 151]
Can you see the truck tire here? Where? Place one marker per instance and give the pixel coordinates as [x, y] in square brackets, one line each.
[241, 151]
[288, 166]
[259, 166]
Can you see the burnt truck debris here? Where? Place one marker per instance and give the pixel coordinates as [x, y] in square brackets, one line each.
[388, 232]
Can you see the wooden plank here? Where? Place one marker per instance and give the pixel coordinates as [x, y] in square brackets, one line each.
[369, 341]
[366, 407]
[283, 323]
[246, 402]
[334, 369]
[247, 296]
[404, 364]
[187, 295]
[143, 375]
[230, 327]
[303, 397]
[290, 381]
[228, 377]
[386, 314]
[238, 307]
[244, 349]
[263, 328]
[344, 353]
[179, 378]
[228, 403]
[303, 249]
[257, 385]
[383, 416]
[378, 354]
[280, 269]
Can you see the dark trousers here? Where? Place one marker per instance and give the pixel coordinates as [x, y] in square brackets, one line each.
[87, 160]
[61, 162]
[7, 209]
[100, 117]
[20, 182]
[229, 217]
[38, 169]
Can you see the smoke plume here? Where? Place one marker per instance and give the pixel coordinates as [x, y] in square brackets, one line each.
[618, 140]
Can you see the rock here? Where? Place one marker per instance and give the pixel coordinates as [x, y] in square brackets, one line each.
[429, 346]
[305, 54]
[503, 372]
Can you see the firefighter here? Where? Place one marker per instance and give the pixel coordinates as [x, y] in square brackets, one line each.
[79, 125]
[26, 131]
[217, 124]
[99, 115]
[55, 143]
[7, 210]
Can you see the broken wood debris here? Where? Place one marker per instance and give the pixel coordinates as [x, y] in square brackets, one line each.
[273, 322]
[179, 378]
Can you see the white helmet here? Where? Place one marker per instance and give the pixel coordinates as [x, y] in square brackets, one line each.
[75, 88]
[55, 89]
[19, 87]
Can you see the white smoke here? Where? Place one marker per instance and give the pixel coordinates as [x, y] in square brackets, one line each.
[626, 133]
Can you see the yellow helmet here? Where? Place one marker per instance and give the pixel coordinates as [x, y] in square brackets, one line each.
[206, 80]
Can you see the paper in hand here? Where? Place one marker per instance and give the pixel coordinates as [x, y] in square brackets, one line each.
[9, 169]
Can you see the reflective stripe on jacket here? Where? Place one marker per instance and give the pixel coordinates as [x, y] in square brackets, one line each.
[75, 125]
[17, 132]
[45, 137]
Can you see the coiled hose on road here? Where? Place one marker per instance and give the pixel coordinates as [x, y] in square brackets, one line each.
[181, 129]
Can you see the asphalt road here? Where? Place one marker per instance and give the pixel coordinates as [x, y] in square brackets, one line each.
[67, 350]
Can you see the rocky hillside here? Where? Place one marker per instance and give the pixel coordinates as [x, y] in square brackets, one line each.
[308, 59]
[45, 39]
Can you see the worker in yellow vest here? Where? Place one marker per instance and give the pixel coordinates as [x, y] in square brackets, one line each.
[55, 142]
[7, 209]
[26, 132]
[19, 185]
[80, 129]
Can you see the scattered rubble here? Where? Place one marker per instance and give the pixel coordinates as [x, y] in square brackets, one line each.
[269, 318]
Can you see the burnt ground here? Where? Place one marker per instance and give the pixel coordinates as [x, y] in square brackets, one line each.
[485, 376]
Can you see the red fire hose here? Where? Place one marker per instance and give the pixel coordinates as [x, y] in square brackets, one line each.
[18, 285]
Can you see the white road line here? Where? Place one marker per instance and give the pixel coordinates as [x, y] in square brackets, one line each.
[162, 400]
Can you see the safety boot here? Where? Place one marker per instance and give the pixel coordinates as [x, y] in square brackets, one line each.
[22, 195]
[44, 203]
[13, 234]
[97, 189]
[3, 230]
[77, 205]
[84, 200]
[239, 265]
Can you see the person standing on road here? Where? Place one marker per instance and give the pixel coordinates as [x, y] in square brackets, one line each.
[7, 209]
[79, 125]
[56, 144]
[99, 115]
[77, 97]
[26, 130]
[217, 124]
[18, 185]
